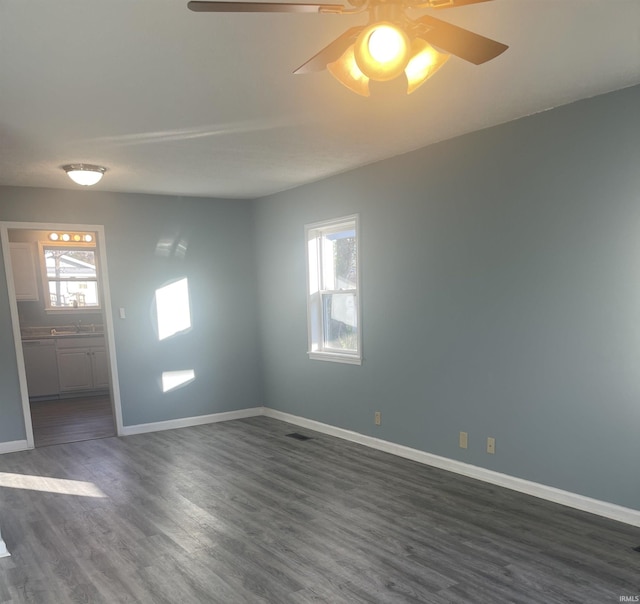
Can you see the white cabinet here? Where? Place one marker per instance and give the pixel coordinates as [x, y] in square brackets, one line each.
[74, 369]
[82, 364]
[23, 266]
[100, 368]
[41, 366]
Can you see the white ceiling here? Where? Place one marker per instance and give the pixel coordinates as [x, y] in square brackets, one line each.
[185, 103]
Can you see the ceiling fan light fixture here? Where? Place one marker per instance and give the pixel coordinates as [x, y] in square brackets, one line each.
[384, 48]
[347, 72]
[84, 174]
[424, 62]
[382, 51]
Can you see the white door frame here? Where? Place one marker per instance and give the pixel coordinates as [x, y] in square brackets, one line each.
[107, 314]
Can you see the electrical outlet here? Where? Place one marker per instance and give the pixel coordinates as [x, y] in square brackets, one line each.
[377, 418]
[464, 440]
[491, 445]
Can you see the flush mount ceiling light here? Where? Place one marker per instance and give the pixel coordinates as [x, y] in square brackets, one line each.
[84, 174]
[388, 46]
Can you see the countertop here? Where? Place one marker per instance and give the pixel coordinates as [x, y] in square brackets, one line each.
[64, 331]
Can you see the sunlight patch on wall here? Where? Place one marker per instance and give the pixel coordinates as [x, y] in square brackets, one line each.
[172, 247]
[174, 379]
[172, 307]
[46, 484]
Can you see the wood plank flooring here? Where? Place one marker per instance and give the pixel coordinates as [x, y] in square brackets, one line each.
[70, 420]
[238, 512]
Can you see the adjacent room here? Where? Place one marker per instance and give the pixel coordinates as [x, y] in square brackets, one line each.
[320, 330]
[59, 301]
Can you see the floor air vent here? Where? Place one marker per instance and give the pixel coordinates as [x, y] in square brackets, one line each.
[298, 436]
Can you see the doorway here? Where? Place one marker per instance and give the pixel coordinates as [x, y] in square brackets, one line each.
[58, 289]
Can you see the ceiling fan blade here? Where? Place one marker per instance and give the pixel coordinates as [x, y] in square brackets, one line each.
[459, 42]
[330, 53]
[451, 3]
[262, 7]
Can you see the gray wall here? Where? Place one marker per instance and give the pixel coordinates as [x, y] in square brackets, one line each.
[222, 346]
[501, 297]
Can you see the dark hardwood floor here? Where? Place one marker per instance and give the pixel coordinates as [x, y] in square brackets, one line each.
[72, 419]
[238, 512]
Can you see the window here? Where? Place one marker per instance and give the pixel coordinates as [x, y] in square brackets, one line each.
[332, 296]
[70, 276]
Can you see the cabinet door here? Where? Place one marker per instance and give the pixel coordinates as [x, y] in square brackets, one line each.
[74, 369]
[23, 267]
[41, 366]
[100, 368]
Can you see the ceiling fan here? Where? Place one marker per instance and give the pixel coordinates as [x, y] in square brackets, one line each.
[389, 45]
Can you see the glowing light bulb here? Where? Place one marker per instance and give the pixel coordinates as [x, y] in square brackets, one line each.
[347, 72]
[386, 44]
[382, 51]
[424, 62]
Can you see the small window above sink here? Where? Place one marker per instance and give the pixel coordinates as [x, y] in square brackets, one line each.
[70, 276]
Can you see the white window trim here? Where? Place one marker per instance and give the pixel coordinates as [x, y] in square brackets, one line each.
[315, 350]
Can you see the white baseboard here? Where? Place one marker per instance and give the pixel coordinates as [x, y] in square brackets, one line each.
[13, 446]
[186, 422]
[573, 500]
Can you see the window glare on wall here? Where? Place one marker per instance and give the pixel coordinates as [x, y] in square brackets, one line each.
[172, 307]
[174, 379]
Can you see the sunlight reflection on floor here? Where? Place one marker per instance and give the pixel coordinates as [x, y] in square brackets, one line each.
[47, 484]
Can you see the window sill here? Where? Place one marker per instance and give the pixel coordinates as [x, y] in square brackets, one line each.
[334, 357]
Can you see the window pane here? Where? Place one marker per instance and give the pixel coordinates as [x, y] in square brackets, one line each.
[73, 294]
[70, 263]
[340, 322]
[341, 258]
